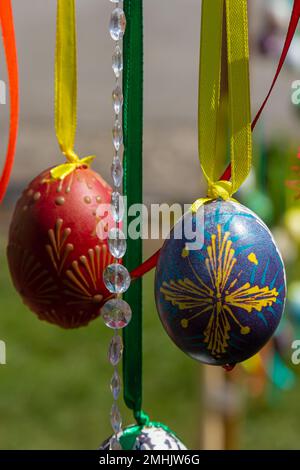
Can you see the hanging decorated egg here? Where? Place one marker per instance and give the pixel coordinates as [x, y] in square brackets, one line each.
[55, 258]
[220, 297]
[150, 437]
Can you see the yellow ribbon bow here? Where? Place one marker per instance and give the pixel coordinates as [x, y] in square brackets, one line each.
[220, 189]
[61, 171]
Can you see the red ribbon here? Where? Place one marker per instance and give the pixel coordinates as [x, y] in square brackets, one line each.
[8, 33]
[151, 262]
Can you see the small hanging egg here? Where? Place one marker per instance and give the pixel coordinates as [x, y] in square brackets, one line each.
[149, 437]
[55, 257]
[221, 295]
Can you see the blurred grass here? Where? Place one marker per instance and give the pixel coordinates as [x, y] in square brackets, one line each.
[273, 425]
[54, 391]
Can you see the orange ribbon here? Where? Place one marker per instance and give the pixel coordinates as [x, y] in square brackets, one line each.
[8, 33]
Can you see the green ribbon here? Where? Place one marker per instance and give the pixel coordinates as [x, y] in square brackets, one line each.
[133, 189]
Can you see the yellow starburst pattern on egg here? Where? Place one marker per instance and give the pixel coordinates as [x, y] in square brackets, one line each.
[220, 296]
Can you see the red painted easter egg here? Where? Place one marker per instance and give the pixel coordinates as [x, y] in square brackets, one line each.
[55, 258]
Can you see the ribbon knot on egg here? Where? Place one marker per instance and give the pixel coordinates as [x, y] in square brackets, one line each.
[73, 163]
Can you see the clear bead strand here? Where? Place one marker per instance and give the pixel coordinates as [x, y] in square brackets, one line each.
[116, 313]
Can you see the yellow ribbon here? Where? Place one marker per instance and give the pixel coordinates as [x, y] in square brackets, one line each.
[66, 89]
[238, 92]
[61, 171]
[220, 189]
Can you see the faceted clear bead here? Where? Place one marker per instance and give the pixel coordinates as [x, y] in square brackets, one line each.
[117, 243]
[117, 171]
[116, 313]
[117, 61]
[117, 206]
[116, 278]
[114, 444]
[115, 350]
[117, 135]
[117, 97]
[117, 24]
[115, 385]
[115, 418]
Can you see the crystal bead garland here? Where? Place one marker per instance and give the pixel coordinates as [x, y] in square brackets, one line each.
[116, 313]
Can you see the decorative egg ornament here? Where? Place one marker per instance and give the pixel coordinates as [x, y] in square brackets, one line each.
[150, 437]
[220, 301]
[55, 258]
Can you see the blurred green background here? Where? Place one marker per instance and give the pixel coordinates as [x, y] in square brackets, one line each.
[54, 389]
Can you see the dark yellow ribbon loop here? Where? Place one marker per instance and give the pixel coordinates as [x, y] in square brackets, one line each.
[220, 189]
[66, 90]
[238, 90]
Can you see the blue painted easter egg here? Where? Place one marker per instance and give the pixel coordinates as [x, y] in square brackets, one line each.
[220, 283]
